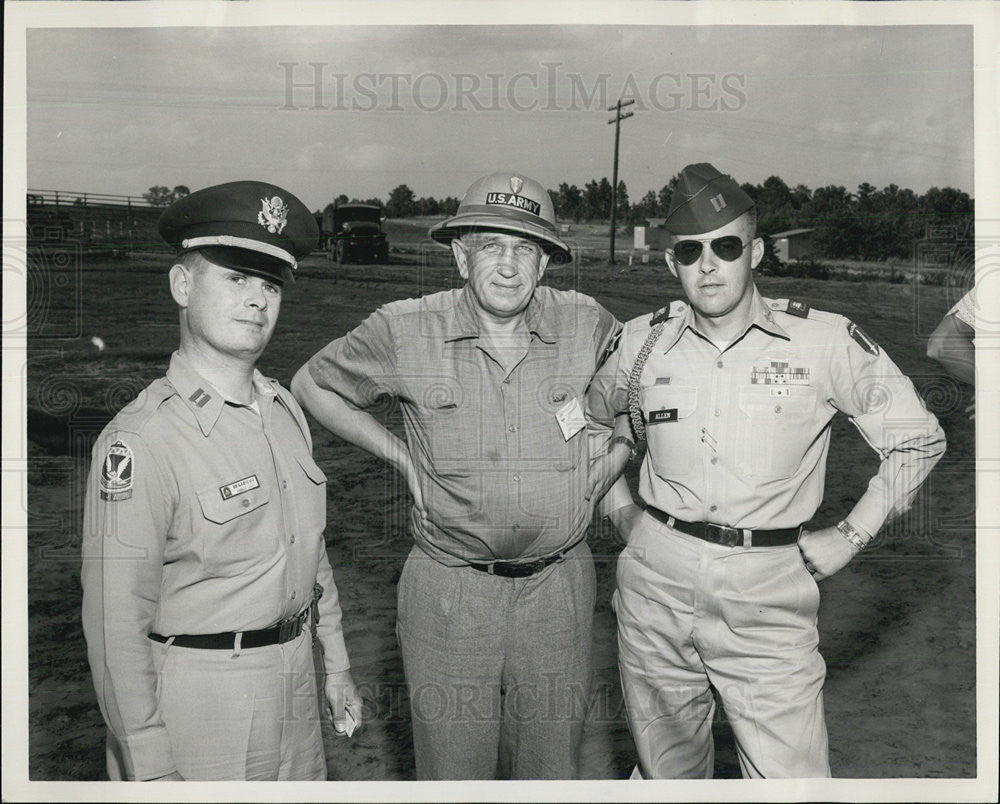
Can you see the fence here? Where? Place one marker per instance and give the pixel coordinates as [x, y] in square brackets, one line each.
[96, 222]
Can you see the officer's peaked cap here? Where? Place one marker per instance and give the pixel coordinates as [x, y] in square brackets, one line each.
[250, 226]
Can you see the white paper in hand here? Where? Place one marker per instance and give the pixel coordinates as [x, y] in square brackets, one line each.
[571, 419]
[349, 723]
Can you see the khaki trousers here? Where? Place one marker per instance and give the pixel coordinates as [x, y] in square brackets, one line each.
[693, 615]
[247, 715]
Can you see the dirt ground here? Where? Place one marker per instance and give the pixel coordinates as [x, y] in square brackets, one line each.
[897, 625]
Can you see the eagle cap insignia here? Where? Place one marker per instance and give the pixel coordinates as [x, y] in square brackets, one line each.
[516, 184]
[273, 214]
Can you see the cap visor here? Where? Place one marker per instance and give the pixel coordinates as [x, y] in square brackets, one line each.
[250, 262]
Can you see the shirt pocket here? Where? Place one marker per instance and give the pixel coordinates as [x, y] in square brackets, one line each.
[776, 429]
[310, 494]
[541, 444]
[673, 442]
[235, 531]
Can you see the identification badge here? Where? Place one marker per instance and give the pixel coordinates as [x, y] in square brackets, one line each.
[663, 415]
[240, 486]
[571, 419]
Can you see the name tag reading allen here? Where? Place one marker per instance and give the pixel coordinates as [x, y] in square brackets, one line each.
[571, 419]
[240, 486]
[663, 415]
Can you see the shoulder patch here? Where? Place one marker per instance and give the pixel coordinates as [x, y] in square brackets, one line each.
[117, 473]
[861, 338]
[801, 309]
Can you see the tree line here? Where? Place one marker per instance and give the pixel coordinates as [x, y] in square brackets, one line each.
[867, 224]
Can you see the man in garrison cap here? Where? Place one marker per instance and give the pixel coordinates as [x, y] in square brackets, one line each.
[717, 586]
[497, 595]
[205, 573]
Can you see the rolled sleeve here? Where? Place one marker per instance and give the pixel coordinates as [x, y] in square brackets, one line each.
[123, 544]
[361, 365]
[886, 409]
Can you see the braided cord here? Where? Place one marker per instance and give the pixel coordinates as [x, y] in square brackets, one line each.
[634, 411]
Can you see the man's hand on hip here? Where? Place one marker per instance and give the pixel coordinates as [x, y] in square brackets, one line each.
[344, 704]
[624, 519]
[825, 551]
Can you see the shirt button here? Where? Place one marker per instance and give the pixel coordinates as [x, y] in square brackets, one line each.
[714, 461]
[719, 364]
[293, 595]
[777, 408]
[718, 411]
[513, 428]
[292, 537]
[516, 528]
[713, 508]
[284, 484]
[246, 503]
[517, 477]
[506, 380]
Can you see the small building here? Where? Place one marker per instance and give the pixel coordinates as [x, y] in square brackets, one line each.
[652, 236]
[795, 244]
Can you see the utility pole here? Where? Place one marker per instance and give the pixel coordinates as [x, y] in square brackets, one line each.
[617, 109]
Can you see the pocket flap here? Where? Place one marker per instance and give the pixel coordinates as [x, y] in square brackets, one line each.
[311, 468]
[682, 398]
[218, 510]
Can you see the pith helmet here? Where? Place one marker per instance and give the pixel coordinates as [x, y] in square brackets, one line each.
[704, 200]
[251, 226]
[506, 202]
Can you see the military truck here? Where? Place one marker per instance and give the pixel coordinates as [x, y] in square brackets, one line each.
[353, 233]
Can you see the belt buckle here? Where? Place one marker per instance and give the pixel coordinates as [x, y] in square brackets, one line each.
[723, 534]
[289, 629]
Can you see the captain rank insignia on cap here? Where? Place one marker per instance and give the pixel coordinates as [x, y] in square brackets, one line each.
[704, 200]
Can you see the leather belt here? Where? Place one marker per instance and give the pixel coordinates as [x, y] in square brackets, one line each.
[523, 570]
[726, 535]
[285, 631]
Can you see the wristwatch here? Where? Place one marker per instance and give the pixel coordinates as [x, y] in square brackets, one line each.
[853, 535]
[628, 442]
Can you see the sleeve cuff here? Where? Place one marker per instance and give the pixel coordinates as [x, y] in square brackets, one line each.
[618, 496]
[148, 755]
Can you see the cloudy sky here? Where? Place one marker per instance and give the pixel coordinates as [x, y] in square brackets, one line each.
[324, 110]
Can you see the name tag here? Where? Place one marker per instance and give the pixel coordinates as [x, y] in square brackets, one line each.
[240, 486]
[571, 419]
[661, 416]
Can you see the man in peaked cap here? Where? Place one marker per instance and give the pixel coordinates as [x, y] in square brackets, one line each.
[497, 595]
[717, 586]
[205, 572]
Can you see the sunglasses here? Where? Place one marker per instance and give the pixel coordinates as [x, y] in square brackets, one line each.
[728, 248]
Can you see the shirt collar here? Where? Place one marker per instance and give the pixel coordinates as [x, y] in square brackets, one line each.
[204, 400]
[464, 323]
[760, 317]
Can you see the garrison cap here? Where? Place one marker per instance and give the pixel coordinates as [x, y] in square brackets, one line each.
[507, 202]
[250, 226]
[704, 200]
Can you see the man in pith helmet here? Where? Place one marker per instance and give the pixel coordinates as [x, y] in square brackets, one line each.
[205, 571]
[497, 595]
[717, 586]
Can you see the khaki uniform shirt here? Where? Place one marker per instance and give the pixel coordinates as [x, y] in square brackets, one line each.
[740, 437]
[200, 517]
[499, 478]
